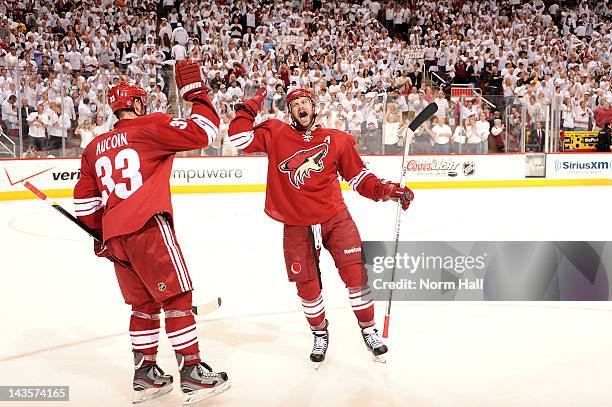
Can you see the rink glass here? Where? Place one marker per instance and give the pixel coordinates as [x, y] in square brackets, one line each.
[378, 122]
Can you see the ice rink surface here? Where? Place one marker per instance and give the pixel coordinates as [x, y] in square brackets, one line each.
[64, 321]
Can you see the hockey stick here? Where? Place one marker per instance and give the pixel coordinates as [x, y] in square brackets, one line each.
[208, 307]
[202, 309]
[416, 123]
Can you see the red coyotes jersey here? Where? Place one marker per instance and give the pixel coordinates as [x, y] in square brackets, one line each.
[302, 187]
[125, 173]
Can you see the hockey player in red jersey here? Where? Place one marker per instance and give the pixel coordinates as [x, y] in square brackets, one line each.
[124, 193]
[303, 192]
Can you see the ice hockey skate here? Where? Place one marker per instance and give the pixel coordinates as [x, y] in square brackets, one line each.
[374, 344]
[319, 348]
[149, 381]
[199, 382]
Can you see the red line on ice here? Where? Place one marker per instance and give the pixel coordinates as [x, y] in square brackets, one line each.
[61, 346]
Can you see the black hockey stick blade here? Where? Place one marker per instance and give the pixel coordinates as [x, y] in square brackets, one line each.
[425, 114]
[208, 307]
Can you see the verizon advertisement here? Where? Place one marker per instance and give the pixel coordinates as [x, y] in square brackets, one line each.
[42, 173]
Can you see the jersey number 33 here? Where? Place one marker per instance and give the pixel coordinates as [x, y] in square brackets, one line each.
[128, 162]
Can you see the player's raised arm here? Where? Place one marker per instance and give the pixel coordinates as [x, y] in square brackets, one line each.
[353, 170]
[200, 129]
[241, 132]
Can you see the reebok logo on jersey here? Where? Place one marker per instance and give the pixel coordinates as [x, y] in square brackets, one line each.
[352, 250]
[301, 164]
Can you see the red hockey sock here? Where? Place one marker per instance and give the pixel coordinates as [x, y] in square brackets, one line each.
[360, 295]
[312, 302]
[181, 328]
[144, 330]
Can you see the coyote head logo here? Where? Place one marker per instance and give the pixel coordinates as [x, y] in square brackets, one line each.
[299, 165]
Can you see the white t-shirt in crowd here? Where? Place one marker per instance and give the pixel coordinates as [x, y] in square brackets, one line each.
[442, 133]
[58, 125]
[472, 135]
[442, 107]
[460, 135]
[391, 132]
[37, 122]
[483, 129]
[84, 112]
[179, 52]
[75, 58]
[86, 137]
[180, 35]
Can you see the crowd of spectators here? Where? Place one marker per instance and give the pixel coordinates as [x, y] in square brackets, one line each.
[543, 58]
[58, 58]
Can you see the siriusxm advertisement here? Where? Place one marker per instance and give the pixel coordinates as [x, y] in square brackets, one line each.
[579, 166]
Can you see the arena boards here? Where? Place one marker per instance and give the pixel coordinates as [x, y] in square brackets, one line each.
[57, 177]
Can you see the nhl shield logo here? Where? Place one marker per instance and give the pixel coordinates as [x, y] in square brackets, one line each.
[468, 168]
[161, 286]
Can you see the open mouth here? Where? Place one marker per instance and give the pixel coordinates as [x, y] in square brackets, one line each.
[302, 114]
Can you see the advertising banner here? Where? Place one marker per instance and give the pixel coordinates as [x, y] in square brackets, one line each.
[451, 167]
[580, 140]
[219, 171]
[567, 166]
[248, 174]
[44, 173]
[59, 174]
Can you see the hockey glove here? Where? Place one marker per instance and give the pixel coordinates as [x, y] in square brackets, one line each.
[189, 80]
[253, 106]
[100, 250]
[391, 190]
